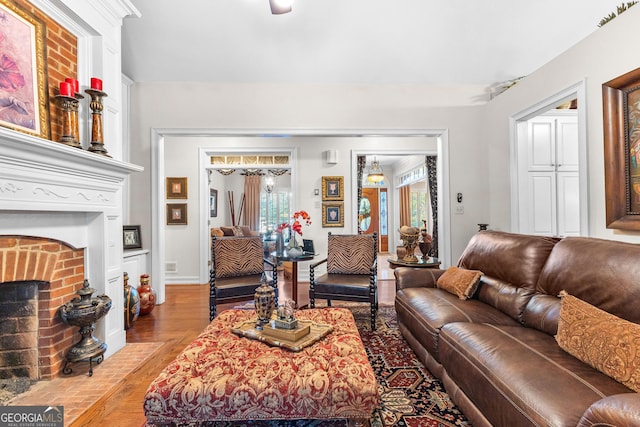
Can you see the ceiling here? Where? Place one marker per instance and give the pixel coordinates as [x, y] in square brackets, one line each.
[405, 42]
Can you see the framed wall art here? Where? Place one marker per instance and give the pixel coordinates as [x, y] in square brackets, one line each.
[177, 188]
[23, 92]
[332, 188]
[621, 111]
[176, 214]
[213, 203]
[333, 214]
[131, 237]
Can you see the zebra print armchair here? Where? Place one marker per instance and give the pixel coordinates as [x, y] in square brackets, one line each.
[237, 265]
[352, 272]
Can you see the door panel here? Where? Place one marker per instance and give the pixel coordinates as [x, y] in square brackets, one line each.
[369, 213]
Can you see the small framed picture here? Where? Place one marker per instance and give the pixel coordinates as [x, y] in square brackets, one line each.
[176, 214]
[176, 188]
[131, 237]
[332, 188]
[213, 203]
[333, 214]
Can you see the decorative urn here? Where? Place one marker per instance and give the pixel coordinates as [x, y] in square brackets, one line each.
[131, 303]
[264, 300]
[409, 236]
[147, 295]
[84, 311]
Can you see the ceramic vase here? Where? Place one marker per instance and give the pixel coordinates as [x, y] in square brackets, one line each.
[131, 303]
[264, 300]
[147, 295]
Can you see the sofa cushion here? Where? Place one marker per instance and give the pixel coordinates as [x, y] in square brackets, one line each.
[511, 264]
[460, 281]
[425, 310]
[228, 231]
[520, 376]
[602, 340]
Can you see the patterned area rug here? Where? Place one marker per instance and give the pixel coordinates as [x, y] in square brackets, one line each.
[410, 395]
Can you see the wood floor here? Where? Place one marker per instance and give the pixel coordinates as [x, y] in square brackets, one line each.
[176, 323]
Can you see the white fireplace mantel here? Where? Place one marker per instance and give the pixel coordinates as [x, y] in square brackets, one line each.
[48, 175]
[50, 190]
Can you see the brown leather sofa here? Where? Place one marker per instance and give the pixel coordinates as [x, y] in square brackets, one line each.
[496, 352]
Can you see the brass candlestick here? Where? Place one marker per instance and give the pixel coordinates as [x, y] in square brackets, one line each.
[97, 143]
[69, 107]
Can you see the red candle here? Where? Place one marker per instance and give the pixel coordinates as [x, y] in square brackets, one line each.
[74, 84]
[96, 84]
[66, 89]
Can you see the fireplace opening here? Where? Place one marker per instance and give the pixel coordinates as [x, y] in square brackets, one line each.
[19, 329]
[37, 276]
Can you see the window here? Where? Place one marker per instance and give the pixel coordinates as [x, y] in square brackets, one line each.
[274, 210]
[420, 208]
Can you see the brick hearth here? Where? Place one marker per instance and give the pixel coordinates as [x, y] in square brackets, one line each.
[57, 270]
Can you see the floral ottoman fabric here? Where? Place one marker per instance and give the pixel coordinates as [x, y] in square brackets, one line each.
[221, 376]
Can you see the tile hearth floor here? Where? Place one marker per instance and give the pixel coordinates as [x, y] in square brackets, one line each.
[77, 391]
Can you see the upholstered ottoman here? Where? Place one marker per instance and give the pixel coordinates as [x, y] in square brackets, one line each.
[222, 376]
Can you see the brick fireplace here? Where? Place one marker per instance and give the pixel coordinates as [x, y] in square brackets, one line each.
[37, 276]
[60, 223]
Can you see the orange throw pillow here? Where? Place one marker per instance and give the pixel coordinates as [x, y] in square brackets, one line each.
[603, 341]
[460, 282]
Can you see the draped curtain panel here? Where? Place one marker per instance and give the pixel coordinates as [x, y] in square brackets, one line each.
[252, 201]
[405, 205]
[362, 162]
[432, 174]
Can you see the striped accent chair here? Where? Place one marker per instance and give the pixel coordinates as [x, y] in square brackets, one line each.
[352, 272]
[237, 265]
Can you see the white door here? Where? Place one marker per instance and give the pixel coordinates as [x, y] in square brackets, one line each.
[549, 199]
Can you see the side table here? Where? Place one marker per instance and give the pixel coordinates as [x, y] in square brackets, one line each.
[429, 262]
[284, 256]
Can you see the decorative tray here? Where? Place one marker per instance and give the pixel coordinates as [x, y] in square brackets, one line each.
[317, 331]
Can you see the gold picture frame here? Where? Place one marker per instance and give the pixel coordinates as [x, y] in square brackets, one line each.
[621, 114]
[176, 188]
[24, 103]
[176, 214]
[333, 214]
[332, 188]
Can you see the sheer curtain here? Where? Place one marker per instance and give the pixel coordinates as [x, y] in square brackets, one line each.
[252, 201]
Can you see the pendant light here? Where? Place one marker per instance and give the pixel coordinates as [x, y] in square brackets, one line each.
[374, 172]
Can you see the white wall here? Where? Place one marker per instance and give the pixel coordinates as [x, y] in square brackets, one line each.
[181, 160]
[606, 54]
[330, 109]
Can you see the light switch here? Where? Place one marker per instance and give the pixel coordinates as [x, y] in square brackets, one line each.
[459, 209]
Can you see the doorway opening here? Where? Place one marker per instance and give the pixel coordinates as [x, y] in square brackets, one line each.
[549, 192]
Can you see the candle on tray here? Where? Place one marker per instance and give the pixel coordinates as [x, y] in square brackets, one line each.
[96, 84]
[66, 89]
[75, 85]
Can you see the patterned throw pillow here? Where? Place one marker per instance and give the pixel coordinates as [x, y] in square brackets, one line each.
[460, 282]
[350, 254]
[238, 256]
[604, 341]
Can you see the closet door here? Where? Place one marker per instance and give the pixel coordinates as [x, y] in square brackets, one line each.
[550, 205]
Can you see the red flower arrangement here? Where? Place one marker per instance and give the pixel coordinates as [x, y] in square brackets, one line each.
[296, 225]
